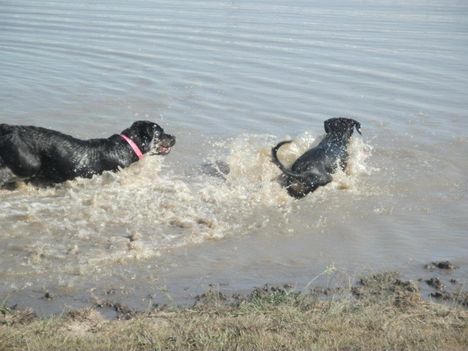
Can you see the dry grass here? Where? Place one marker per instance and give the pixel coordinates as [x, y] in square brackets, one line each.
[382, 313]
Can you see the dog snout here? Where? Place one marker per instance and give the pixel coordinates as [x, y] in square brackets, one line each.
[170, 139]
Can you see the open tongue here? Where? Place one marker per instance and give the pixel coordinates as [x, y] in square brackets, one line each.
[164, 150]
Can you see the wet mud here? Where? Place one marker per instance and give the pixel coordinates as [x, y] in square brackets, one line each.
[374, 287]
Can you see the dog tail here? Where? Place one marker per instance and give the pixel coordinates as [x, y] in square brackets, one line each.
[276, 161]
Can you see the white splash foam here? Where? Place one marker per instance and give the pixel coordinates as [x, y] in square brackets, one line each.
[86, 224]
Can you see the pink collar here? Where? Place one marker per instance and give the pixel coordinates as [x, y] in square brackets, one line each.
[134, 146]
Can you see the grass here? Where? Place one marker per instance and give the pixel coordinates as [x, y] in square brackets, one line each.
[380, 313]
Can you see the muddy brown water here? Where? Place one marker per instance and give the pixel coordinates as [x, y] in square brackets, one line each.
[230, 79]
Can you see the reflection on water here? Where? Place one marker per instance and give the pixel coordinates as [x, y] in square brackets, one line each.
[230, 79]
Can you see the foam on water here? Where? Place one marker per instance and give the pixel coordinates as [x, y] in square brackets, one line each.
[84, 225]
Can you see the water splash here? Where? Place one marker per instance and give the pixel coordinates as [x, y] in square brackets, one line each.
[85, 224]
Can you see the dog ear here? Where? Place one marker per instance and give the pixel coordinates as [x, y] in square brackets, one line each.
[141, 132]
[146, 129]
[357, 125]
[157, 130]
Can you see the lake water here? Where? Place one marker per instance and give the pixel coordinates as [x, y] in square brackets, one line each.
[231, 79]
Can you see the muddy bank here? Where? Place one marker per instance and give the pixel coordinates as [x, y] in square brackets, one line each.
[436, 281]
[381, 311]
[448, 289]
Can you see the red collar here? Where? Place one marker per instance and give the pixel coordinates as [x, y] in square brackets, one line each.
[134, 146]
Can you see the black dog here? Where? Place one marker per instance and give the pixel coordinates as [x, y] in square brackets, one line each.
[43, 156]
[314, 168]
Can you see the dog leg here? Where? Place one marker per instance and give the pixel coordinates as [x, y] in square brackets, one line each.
[17, 159]
[6, 175]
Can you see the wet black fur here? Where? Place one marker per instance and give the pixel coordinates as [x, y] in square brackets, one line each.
[315, 167]
[44, 156]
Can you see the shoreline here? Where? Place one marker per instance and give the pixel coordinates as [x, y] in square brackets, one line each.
[381, 311]
[439, 281]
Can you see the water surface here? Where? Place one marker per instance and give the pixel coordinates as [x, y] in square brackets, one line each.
[230, 79]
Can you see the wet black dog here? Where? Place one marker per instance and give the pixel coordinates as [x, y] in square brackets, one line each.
[43, 156]
[314, 168]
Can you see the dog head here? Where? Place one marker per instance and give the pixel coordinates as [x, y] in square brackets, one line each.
[150, 137]
[342, 126]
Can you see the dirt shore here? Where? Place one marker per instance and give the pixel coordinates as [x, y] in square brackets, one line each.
[380, 312]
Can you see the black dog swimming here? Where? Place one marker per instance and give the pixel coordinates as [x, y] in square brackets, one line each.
[43, 156]
[314, 168]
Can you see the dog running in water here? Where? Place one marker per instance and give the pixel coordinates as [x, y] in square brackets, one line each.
[44, 156]
[315, 167]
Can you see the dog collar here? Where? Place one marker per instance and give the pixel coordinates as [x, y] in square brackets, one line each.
[134, 146]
